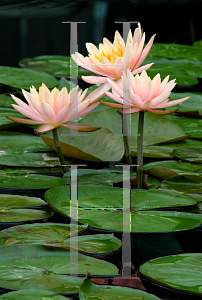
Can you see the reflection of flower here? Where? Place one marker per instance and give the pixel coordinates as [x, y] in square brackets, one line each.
[110, 60]
[141, 93]
[55, 108]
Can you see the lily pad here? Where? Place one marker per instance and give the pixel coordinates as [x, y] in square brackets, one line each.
[157, 129]
[183, 183]
[32, 294]
[185, 72]
[191, 107]
[22, 215]
[177, 51]
[16, 142]
[16, 201]
[89, 290]
[189, 154]
[182, 272]
[56, 65]
[6, 101]
[191, 126]
[31, 181]
[166, 169]
[100, 145]
[6, 123]
[102, 208]
[57, 235]
[24, 78]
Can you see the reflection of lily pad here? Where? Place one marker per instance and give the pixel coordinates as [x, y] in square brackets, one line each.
[102, 208]
[189, 154]
[100, 145]
[182, 272]
[32, 294]
[157, 129]
[166, 169]
[89, 290]
[24, 78]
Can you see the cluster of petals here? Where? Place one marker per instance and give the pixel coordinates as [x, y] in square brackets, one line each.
[139, 92]
[111, 60]
[55, 108]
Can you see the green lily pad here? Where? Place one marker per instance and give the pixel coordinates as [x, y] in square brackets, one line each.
[191, 107]
[100, 145]
[189, 154]
[166, 169]
[102, 208]
[24, 78]
[30, 181]
[16, 142]
[56, 65]
[178, 51]
[37, 260]
[6, 123]
[16, 201]
[6, 101]
[57, 235]
[32, 294]
[157, 129]
[183, 183]
[21, 215]
[182, 272]
[89, 290]
[185, 72]
[191, 126]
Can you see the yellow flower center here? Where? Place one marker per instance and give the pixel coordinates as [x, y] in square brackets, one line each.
[112, 57]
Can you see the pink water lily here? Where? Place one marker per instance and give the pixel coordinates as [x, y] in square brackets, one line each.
[55, 108]
[139, 92]
[111, 60]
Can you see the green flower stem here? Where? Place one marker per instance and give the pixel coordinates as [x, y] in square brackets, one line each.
[140, 150]
[126, 126]
[59, 150]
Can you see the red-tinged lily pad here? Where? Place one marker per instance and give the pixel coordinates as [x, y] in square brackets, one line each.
[182, 272]
[183, 183]
[100, 145]
[89, 290]
[32, 293]
[157, 129]
[193, 155]
[169, 168]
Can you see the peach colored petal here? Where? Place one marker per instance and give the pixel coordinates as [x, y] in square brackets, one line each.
[94, 79]
[92, 49]
[62, 100]
[88, 109]
[81, 128]
[171, 103]
[45, 128]
[131, 110]
[30, 114]
[162, 112]
[143, 68]
[61, 116]
[47, 112]
[33, 102]
[99, 92]
[23, 121]
[116, 87]
[114, 105]
[145, 51]
[21, 103]
[160, 99]
[118, 99]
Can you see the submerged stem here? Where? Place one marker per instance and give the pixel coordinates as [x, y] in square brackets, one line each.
[140, 150]
[59, 150]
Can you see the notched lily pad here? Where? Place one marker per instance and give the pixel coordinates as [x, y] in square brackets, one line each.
[189, 154]
[182, 272]
[89, 290]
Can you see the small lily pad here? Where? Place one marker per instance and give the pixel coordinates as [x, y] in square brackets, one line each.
[16, 201]
[24, 78]
[182, 272]
[189, 154]
[22, 215]
[89, 290]
[183, 183]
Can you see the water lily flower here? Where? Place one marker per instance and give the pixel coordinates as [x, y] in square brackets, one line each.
[140, 93]
[111, 60]
[55, 108]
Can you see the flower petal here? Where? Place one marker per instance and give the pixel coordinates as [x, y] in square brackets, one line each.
[81, 128]
[114, 105]
[171, 103]
[94, 79]
[23, 121]
[30, 114]
[45, 128]
[47, 112]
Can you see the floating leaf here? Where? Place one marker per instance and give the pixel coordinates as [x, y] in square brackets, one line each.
[157, 129]
[168, 168]
[93, 202]
[89, 290]
[100, 145]
[24, 78]
[182, 272]
[21, 215]
[6, 101]
[189, 154]
[56, 65]
[6, 123]
[32, 294]
[183, 183]
[16, 201]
